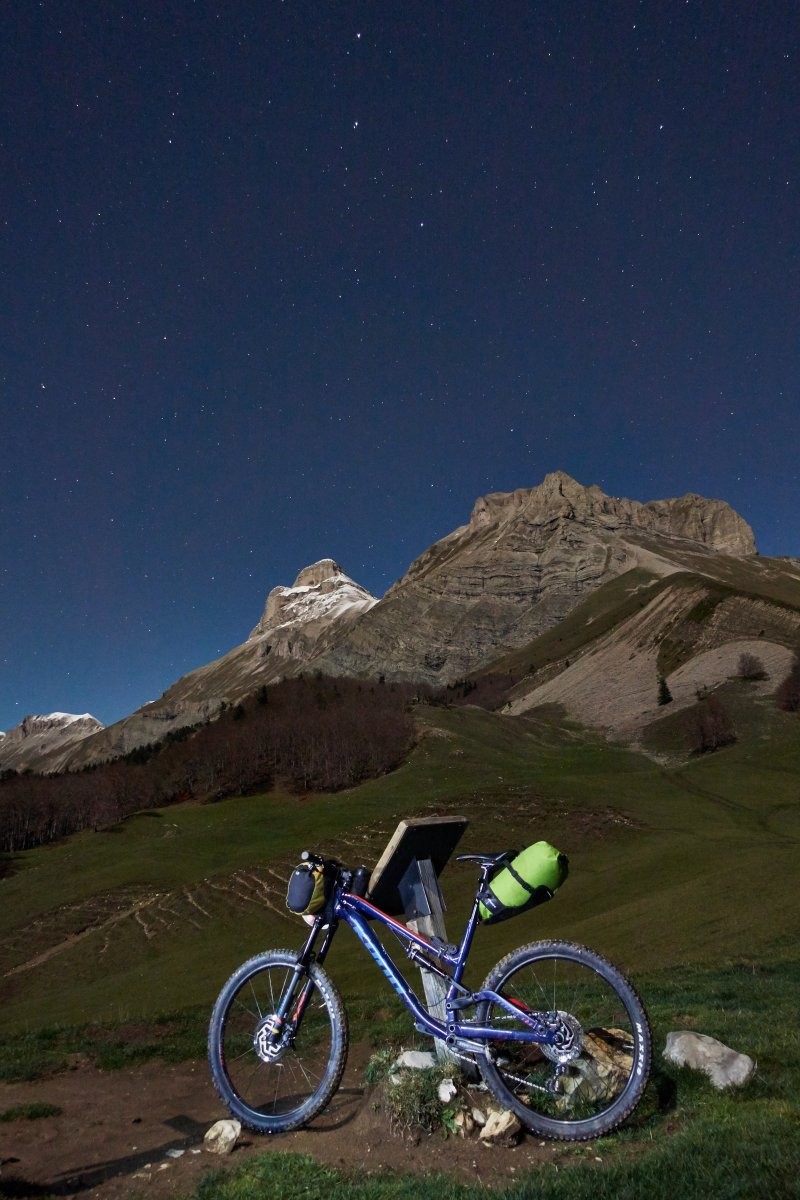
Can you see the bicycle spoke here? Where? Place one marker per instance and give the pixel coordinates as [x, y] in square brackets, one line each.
[579, 1085]
[276, 1075]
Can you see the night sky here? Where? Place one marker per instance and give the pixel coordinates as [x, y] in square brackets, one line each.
[281, 281]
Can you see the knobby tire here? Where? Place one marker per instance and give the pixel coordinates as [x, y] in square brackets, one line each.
[276, 1096]
[602, 1084]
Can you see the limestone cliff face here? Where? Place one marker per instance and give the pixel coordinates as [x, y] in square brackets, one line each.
[523, 562]
[712, 524]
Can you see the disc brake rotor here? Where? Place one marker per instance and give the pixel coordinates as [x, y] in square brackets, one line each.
[267, 1041]
[568, 1041]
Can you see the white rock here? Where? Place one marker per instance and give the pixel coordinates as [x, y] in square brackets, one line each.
[479, 1116]
[725, 1067]
[447, 1089]
[501, 1128]
[175, 1153]
[222, 1137]
[416, 1060]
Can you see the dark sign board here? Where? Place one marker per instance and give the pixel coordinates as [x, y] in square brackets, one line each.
[421, 838]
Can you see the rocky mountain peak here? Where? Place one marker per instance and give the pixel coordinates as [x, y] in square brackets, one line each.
[324, 571]
[320, 595]
[523, 562]
[39, 734]
[711, 523]
[72, 723]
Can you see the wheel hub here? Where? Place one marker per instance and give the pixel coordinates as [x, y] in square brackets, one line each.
[267, 1041]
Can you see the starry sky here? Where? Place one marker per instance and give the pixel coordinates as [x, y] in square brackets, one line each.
[288, 280]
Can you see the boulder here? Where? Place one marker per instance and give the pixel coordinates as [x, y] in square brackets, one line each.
[725, 1067]
[222, 1137]
[601, 1070]
[416, 1060]
[502, 1128]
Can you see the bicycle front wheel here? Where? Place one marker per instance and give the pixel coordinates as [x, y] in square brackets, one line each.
[277, 1074]
[593, 1080]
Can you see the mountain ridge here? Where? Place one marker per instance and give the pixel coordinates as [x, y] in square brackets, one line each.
[521, 564]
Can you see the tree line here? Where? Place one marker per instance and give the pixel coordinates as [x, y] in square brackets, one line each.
[305, 734]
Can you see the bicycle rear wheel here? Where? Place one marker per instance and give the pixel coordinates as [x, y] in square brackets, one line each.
[275, 1077]
[596, 1078]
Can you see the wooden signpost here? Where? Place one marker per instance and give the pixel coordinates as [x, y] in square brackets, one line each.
[406, 882]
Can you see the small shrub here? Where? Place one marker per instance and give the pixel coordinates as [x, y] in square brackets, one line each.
[413, 1103]
[30, 1112]
[709, 726]
[664, 694]
[750, 667]
[380, 1065]
[410, 1097]
[788, 694]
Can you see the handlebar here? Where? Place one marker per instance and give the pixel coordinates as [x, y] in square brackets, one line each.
[355, 879]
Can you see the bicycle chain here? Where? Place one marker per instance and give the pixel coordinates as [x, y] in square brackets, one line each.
[473, 1062]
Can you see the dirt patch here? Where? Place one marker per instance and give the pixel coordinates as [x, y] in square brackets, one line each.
[113, 1136]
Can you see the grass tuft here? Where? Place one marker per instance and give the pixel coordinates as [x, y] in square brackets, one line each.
[30, 1112]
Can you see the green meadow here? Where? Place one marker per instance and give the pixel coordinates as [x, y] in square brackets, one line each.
[695, 863]
[685, 875]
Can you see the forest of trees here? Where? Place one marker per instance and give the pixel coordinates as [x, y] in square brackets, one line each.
[306, 734]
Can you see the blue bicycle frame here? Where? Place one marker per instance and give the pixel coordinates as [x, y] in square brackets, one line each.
[449, 962]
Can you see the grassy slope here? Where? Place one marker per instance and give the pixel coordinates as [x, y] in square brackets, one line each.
[694, 864]
[614, 601]
[600, 611]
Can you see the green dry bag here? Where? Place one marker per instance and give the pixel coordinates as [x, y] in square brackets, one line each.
[529, 879]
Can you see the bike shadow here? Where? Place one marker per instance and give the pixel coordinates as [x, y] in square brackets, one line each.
[92, 1175]
[341, 1111]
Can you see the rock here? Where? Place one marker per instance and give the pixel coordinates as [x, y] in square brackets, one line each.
[416, 1060]
[502, 1128]
[447, 1089]
[478, 1116]
[464, 1123]
[602, 1068]
[725, 1067]
[222, 1137]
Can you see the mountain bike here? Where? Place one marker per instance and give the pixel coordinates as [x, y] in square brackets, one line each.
[557, 1034]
